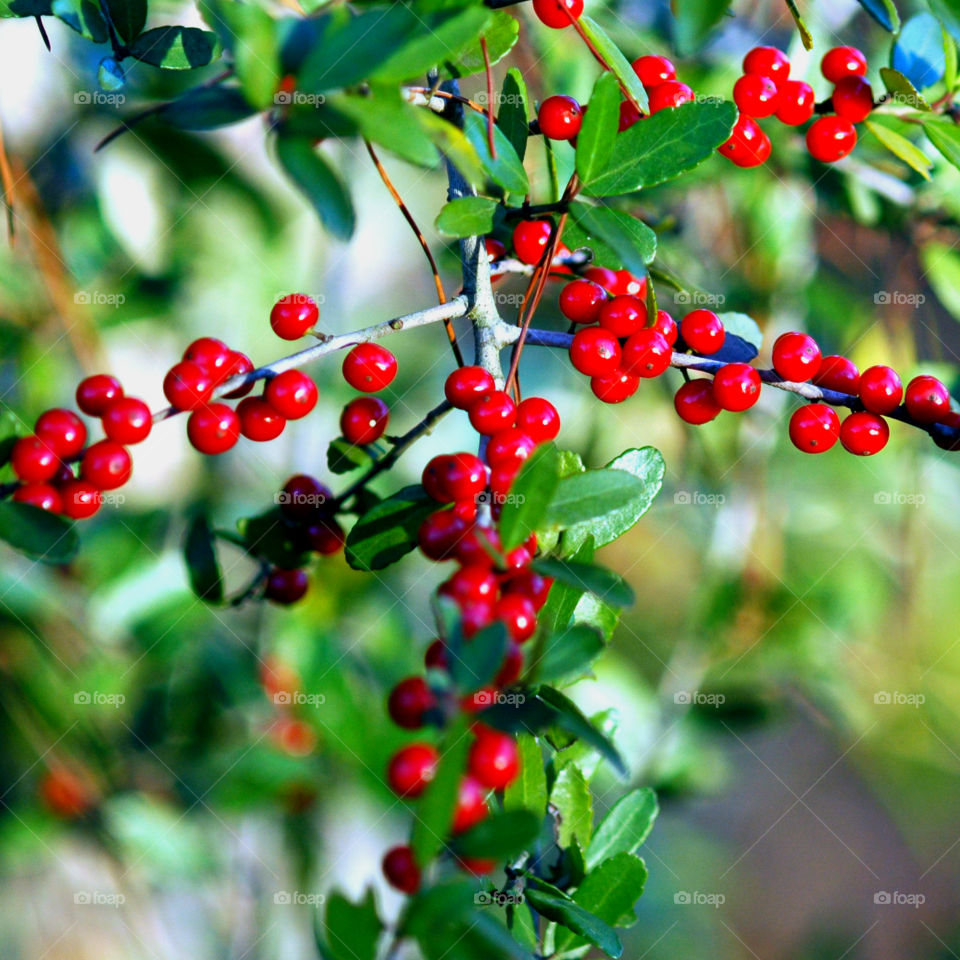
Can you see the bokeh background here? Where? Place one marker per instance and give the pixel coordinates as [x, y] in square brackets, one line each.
[788, 680]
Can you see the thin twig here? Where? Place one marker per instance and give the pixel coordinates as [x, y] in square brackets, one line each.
[489, 75]
[6, 177]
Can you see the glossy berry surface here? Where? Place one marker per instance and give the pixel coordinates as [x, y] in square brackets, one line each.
[411, 768]
[767, 62]
[557, 13]
[666, 326]
[40, 495]
[409, 700]
[401, 870]
[927, 399]
[702, 331]
[736, 386]
[79, 499]
[560, 117]
[581, 300]
[796, 103]
[106, 465]
[538, 418]
[695, 402]
[853, 98]
[63, 431]
[466, 385]
[653, 70]
[796, 357]
[187, 385]
[450, 477]
[494, 760]
[830, 139]
[840, 62]
[864, 434]
[96, 393]
[237, 365]
[258, 420]
[511, 444]
[292, 316]
[292, 394]
[615, 387]
[756, 95]
[368, 367]
[33, 460]
[530, 239]
[881, 389]
[748, 146]
[304, 497]
[127, 420]
[603, 277]
[623, 315]
[518, 614]
[286, 586]
[595, 352]
[492, 412]
[211, 354]
[838, 373]
[440, 533]
[364, 420]
[672, 93]
[471, 806]
[213, 429]
[814, 428]
[646, 354]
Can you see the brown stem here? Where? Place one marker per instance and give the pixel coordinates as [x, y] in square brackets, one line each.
[489, 76]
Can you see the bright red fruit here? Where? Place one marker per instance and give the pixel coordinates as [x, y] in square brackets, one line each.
[440, 533]
[767, 62]
[369, 367]
[511, 444]
[412, 768]
[364, 420]
[629, 115]
[557, 13]
[695, 402]
[258, 420]
[530, 584]
[796, 103]
[187, 385]
[595, 352]
[471, 584]
[530, 239]
[748, 145]
[814, 428]
[401, 870]
[33, 460]
[466, 385]
[603, 277]
[830, 139]
[458, 476]
[213, 429]
[106, 465]
[286, 586]
[127, 420]
[292, 316]
[653, 70]
[494, 759]
[291, 393]
[864, 433]
[471, 805]
[94, 394]
[304, 497]
[560, 117]
[615, 387]
[40, 495]
[841, 62]
[623, 315]
[927, 399]
[702, 331]
[211, 354]
[736, 386]
[238, 364]
[61, 430]
[409, 700]
[796, 356]
[646, 354]
[492, 412]
[756, 95]
[518, 614]
[80, 499]
[538, 418]
[325, 537]
[671, 93]
[881, 389]
[666, 326]
[853, 98]
[838, 373]
[581, 300]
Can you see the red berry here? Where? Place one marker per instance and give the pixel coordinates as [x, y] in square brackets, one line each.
[80, 499]
[492, 412]
[595, 352]
[213, 429]
[478, 866]
[843, 62]
[435, 657]
[61, 430]
[671, 93]
[471, 805]
[653, 70]
[927, 399]
[838, 373]
[748, 145]
[830, 139]
[450, 477]
[666, 326]
[237, 365]
[533, 585]
[629, 115]
[736, 386]
[40, 495]
[34, 460]
[538, 418]
[796, 357]
[814, 428]
[646, 354]
[947, 438]
[864, 433]
[211, 354]
[187, 385]
[557, 13]
[286, 586]
[495, 249]
[409, 700]
[494, 759]
[628, 285]
[530, 239]
[412, 768]
[581, 300]
[509, 445]
[695, 402]
[106, 465]
[466, 385]
[615, 387]
[364, 420]
[560, 117]
[475, 617]
[127, 420]
[471, 584]
[880, 389]
[259, 420]
[325, 537]
[518, 614]
[767, 62]
[512, 665]
[623, 316]
[291, 393]
[853, 98]
[796, 103]
[94, 394]
[755, 95]
[440, 533]
[702, 331]
[369, 367]
[480, 545]
[292, 316]
[603, 277]
[304, 497]
[401, 870]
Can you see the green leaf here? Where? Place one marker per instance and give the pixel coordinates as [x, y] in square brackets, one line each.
[948, 13]
[619, 64]
[84, 16]
[318, 182]
[902, 91]
[571, 915]
[529, 790]
[37, 532]
[452, 143]
[901, 147]
[272, 537]
[805, 36]
[256, 53]
[500, 836]
[695, 20]
[513, 117]
[26, 8]
[353, 929]
[588, 496]
[662, 147]
[567, 654]
[128, 17]
[571, 798]
[501, 36]
[206, 108]
[949, 59]
[530, 495]
[884, 12]
[563, 598]
[941, 267]
[343, 456]
[467, 217]
[389, 531]
[506, 170]
[945, 136]
[631, 242]
[436, 806]
[625, 827]
[176, 48]
[599, 129]
[606, 584]
[206, 581]
[477, 661]
[569, 717]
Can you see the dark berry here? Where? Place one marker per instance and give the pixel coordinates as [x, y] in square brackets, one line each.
[286, 586]
[409, 700]
[401, 870]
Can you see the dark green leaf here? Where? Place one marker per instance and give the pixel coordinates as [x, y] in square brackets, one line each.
[37, 532]
[529, 790]
[530, 494]
[571, 915]
[353, 929]
[618, 62]
[567, 654]
[318, 182]
[570, 718]
[506, 170]
[588, 496]
[206, 581]
[945, 136]
[563, 599]
[884, 12]
[270, 536]
[500, 836]
[342, 456]
[571, 798]
[84, 16]
[513, 117]
[599, 129]
[479, 659]
[206, 108]
[388, 531]
[948, 13]
[501, 35]
[26, 8]
[606, 584]
[128, 17]
[695, 19]
[625, 827]
[176, 48]
[467, 217]
[664, 146]
[632, 242]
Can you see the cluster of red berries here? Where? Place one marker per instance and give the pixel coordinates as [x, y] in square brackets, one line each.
[766, 90]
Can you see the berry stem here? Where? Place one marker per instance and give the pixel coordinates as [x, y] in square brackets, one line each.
[489, 75]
